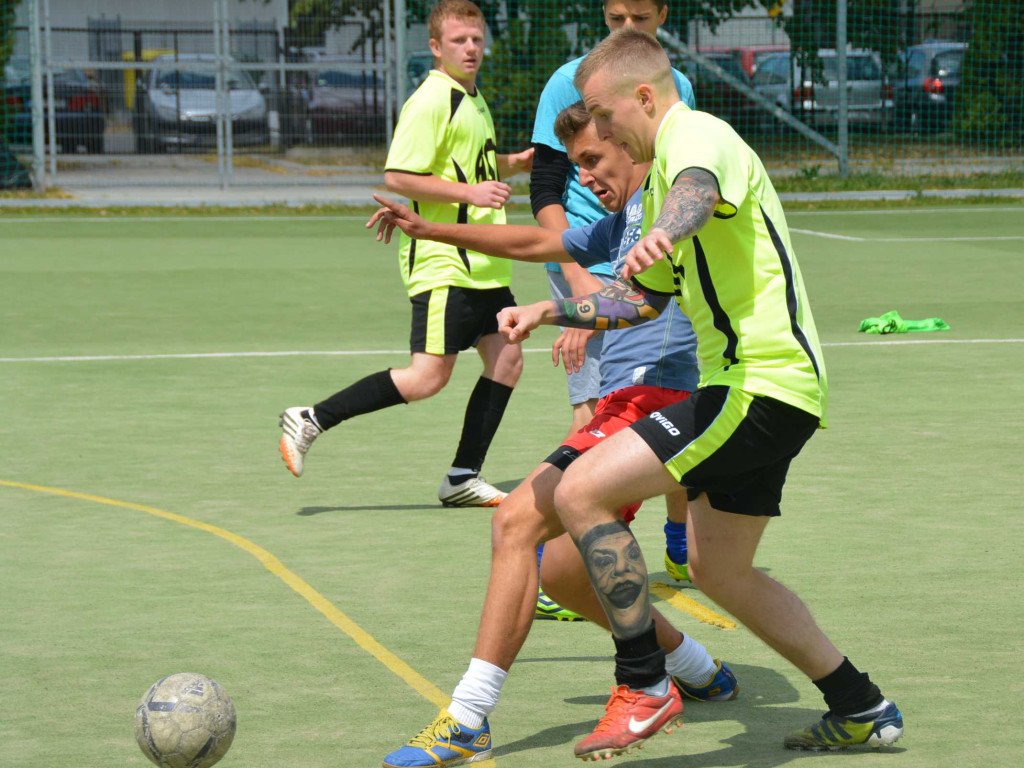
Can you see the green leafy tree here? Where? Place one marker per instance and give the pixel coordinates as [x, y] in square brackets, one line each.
[991, 99]
[12, 174]
[876, 25]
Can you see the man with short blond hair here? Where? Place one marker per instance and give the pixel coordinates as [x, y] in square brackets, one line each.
[714, 237]
[559, 201]
[443, 157]
[642, 370]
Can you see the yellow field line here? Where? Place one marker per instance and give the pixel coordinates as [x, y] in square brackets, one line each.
[362, 638]
[677, 599]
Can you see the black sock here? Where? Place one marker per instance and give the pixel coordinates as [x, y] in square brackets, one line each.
[484, 410]
[639, 661]
[369, 394]
[848, 691]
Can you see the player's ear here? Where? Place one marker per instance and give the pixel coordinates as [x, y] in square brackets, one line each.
[644, 95]
[435, 47]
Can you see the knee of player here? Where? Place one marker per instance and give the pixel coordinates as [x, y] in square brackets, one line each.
[569, 494]
[514, 370]
[512, 526]
[429, 383]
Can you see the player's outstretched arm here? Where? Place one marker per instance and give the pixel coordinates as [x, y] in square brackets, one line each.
[432, 189]
[687, 207]
[517, 162]
[507, 241]
[618, 305]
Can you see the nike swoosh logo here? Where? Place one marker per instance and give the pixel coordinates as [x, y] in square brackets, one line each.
[637, 727]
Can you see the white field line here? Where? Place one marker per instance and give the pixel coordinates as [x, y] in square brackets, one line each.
[241, 217]
[906, 211]
[367, 352]
[829, 235]
[944, 239]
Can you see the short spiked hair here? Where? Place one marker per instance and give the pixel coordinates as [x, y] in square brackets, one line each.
[463, 10]
[636, 57]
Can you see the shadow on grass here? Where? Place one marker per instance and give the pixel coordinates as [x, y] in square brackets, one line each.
[310, 511]
[757, 709]
[506, 486]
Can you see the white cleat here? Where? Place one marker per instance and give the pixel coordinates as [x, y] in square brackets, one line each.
[299, 434]
[475, 492]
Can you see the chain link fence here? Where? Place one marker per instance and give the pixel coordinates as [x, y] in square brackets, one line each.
[897, 87]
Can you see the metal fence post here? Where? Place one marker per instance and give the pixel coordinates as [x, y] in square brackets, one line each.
[218, 84]
[843, 118]
[229, 142]
[51, 94]
[391, 73]
[400, 52]
[38, 165]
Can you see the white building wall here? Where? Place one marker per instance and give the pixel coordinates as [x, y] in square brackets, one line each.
[76, 13]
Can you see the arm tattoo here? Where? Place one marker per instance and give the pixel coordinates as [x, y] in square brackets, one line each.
[619, 574]
[689, 204]
[618, 305]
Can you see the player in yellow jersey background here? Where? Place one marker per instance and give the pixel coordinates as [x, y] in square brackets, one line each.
[443, 157]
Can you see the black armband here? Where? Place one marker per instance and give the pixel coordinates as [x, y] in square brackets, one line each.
[550, 174]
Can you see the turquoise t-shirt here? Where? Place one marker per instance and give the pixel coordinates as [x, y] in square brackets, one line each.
[581, 206]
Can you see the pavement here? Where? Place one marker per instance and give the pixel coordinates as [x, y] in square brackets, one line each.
[195, 181]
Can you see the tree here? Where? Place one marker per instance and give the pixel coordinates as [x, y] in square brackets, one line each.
[876, 25]
[991, 100]
[12, 173]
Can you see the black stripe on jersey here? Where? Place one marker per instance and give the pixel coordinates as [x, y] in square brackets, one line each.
[412, 240]
[456, 99]
[463, 210]
[678, 276]
[791, 300]
[718, 315]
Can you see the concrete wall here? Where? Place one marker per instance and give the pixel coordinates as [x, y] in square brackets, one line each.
[76, 13]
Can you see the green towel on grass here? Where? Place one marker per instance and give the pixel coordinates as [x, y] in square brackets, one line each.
[891, 322]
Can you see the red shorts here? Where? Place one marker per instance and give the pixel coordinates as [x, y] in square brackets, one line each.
[615, 412]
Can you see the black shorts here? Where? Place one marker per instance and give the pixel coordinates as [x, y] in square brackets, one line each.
[449, 319]
[730, 444]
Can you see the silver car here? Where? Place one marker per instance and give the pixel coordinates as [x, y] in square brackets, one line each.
[816, 100]
[178, 107]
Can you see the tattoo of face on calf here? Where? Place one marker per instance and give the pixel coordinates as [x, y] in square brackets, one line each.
[616, 567]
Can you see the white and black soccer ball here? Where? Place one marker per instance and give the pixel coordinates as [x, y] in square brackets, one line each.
[185, 721]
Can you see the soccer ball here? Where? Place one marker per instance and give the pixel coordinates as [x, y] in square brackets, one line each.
[185, 721]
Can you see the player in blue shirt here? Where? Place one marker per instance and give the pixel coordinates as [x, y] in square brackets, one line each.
[559, 201]
[643, 369]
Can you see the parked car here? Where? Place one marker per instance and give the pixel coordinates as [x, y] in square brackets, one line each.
[78, 117]
[178, 107]
[713, 94]
[926, 85]
[816, 101]
[417, 66]
[345, 102]
[749, 56]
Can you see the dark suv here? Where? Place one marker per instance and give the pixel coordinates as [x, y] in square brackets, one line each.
[926, 85]
[713, 94]
[78, 117]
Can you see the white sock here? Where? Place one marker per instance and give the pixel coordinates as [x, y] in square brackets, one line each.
[460, 471]
[658, 689]
[873, 711]
[476, 695]
[691, 663]
[312, 418]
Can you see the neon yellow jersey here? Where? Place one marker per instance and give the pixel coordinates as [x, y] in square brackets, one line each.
[446, 132]
[737, 279]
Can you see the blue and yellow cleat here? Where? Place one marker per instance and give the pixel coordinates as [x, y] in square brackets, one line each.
[831, 732]
[444, 742]
[549, 609]
[723, 686]
[677, 571]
